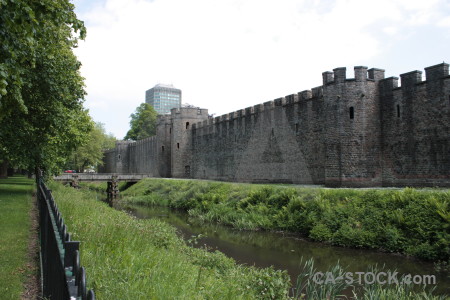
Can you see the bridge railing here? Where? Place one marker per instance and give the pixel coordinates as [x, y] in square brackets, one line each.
[62, 276]
[100, 177]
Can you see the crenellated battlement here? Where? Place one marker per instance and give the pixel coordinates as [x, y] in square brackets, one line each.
[249, 111]
[410, 80]
[436, 72]
[305, 95]
[268, 105]
[188, 113]
[143, 141]
[291, 99]
[362, 131]
[337, 76]
[361, 73]
[258, 108]
[317, 92]
[376, 74]
[163, 119]
[387, 85]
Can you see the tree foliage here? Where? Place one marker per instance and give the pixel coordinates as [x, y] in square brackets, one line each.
[42, 118]
[91, 153]
[143, 123]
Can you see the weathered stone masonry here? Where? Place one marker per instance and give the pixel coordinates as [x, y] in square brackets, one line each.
[363, 131]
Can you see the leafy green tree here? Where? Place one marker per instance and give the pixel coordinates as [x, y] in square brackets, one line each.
[90, 154]
[42, 118]
[23, 24]
[143, 123]
[108, 139]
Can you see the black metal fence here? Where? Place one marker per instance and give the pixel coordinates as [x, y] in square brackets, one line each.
[62, 276]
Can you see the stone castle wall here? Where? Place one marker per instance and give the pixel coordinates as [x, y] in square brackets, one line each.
[361, 131]
[140, 157]
[416, 128]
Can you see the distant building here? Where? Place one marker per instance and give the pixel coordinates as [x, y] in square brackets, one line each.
[163, 97]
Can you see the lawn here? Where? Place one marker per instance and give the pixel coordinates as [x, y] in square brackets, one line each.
[15, 206]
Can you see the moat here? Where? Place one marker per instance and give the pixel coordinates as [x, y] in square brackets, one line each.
[281, 250]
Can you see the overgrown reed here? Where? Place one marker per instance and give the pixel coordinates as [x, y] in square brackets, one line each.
[129, 258]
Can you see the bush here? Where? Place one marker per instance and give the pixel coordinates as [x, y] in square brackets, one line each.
[393, 239]
[393, 220]
[321, 232]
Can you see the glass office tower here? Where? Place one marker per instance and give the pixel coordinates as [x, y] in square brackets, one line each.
[163, 98]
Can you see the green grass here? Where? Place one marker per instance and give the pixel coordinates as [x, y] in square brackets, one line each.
[129, 258]
[335, 283]
[102, 186]
[409, 221]
[94, 186]
[15, 205]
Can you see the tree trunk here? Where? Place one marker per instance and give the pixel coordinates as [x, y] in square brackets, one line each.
[37, 174]
[4, 169]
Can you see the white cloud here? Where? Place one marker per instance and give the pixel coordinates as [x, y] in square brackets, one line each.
[230, 54]
[391, 30]
[445, 22]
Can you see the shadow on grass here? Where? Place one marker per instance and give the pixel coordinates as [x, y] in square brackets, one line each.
[17, 180]
[2, 181]
[15, 185]
[13, 191]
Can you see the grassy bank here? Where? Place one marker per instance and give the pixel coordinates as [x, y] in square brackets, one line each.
[128, 258]
[15, 205]
[102, 186]
[409, 221]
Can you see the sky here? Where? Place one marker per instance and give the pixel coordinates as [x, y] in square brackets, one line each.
[227, 55]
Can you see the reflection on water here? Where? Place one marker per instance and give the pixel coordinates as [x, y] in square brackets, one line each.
[283, 251]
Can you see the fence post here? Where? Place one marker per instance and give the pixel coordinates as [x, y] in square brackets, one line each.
[62, 277]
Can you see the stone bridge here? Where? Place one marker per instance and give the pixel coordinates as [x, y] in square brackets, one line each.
[112, 179]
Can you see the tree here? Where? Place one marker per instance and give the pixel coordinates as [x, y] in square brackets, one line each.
[91, 153]
[23, 25]
[143, 123]
[42, 118]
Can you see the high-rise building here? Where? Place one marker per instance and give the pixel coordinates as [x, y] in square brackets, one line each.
[163, 97]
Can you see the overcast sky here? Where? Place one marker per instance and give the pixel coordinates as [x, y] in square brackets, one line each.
[226, 55]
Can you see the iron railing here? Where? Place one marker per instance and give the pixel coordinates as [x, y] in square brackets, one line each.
[62, 276]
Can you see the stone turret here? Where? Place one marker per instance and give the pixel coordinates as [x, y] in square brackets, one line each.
[163, 145]
[352, 127]
[182, 121]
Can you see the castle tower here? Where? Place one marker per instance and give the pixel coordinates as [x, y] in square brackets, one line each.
[163, 145]
[181, 139]
[352, 128]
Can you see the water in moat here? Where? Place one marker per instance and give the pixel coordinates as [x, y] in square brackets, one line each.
[284, 251]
